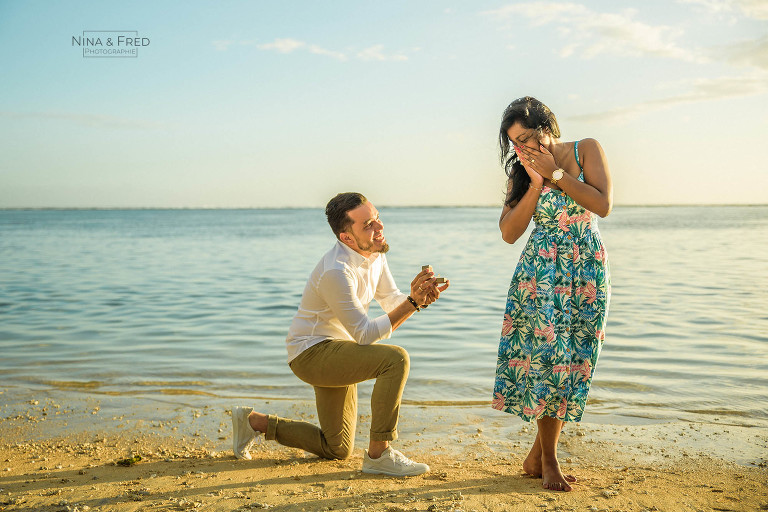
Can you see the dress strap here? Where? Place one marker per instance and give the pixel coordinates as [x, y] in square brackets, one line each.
[576, 152]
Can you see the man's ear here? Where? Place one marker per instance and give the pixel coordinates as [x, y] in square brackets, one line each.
[346, 238]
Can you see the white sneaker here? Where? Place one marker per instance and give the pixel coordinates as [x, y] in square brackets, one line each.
[243, 436]
[392, 463]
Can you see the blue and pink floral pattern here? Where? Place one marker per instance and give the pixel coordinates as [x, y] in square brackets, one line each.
[554, 323]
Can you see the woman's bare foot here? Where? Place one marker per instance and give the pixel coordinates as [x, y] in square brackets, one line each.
[551, 476]
[532, 463]
[532, 466]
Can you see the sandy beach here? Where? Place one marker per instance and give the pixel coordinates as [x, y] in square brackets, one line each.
[62, 451]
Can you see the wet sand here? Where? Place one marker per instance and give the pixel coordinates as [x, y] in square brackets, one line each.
[60, 451]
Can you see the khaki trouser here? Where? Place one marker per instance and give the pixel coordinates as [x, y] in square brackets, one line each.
[334, 368]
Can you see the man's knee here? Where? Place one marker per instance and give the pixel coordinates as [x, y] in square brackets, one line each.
[398, 356]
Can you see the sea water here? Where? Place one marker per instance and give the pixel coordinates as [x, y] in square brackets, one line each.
[198, 302]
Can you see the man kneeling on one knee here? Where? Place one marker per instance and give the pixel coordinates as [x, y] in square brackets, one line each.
[332, 346]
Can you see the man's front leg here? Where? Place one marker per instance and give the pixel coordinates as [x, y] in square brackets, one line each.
[394, 366]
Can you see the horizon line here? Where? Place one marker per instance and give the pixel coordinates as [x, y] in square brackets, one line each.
[139, 208]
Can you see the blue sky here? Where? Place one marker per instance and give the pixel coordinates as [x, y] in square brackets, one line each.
[272, 104]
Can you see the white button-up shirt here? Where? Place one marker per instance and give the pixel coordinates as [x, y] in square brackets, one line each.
[336, 299]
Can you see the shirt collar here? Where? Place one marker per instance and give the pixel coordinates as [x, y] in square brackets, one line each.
[355, 258]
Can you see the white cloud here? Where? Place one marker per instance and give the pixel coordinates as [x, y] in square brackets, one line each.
[329, 53]
[713, 6]
[591, 33]
[288, 45]
[698, 91]
[752, 52]
[757, 9]
[754, 8]
[376, 53]
[282, 45]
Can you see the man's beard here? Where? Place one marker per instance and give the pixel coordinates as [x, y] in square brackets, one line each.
[384, 248]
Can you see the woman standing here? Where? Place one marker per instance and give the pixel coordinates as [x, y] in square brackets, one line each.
[554, 323]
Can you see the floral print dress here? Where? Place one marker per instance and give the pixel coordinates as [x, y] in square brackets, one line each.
[554, 323]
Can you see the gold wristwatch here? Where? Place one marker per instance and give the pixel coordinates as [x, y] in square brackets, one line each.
[556, 176]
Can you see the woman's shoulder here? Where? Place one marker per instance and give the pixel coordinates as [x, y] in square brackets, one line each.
[587, 143]
[589, 147]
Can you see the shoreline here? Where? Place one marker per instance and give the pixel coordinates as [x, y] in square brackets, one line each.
[61, 452]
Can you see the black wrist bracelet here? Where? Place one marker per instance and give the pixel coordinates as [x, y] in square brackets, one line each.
[413, 303]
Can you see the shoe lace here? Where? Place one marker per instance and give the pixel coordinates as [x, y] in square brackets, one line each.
[402, 459]
[254, 441]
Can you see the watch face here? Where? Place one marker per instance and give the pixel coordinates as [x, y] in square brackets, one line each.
[558, 174]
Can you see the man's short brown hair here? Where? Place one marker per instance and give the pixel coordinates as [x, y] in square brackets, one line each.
[337, 208]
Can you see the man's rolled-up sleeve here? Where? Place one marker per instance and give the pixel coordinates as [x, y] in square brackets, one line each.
[337, 289]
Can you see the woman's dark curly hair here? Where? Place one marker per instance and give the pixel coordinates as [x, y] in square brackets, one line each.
[532, 114]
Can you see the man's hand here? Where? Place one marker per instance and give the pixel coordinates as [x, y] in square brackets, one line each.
[434, 292]
[424, 289]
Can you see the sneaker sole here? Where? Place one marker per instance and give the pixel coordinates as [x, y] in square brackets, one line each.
[378, 472]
